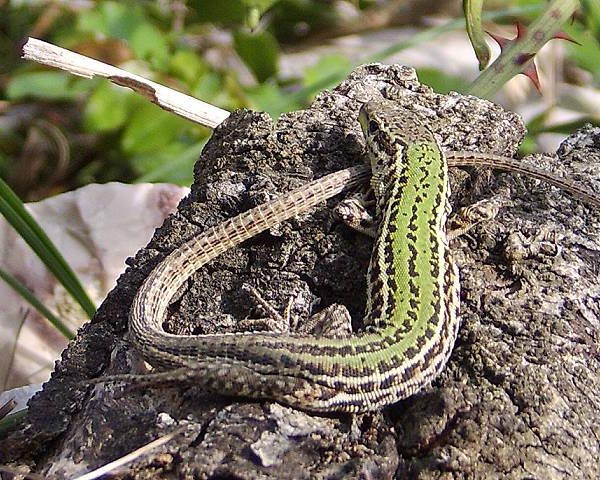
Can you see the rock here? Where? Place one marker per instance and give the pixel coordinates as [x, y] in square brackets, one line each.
[517, 398]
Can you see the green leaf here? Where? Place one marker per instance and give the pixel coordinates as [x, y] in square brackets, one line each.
[127, 21]
[215, 87]
[111, 19]
[261, 5]
[221, 12]
[45, 85]
[256, 8]
[440, 81]
[587, 53]
[591, 14]
[149, 43]
[150, 128]
[92, 21]
[173, 164]
[272, 99]
[186, 65]
[21, 220]
[106, 109]
[259, 51]
[327, 66]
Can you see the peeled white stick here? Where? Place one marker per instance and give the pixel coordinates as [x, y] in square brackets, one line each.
[166, 98]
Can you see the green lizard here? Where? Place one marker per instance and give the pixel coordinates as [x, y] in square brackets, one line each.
[412, 286]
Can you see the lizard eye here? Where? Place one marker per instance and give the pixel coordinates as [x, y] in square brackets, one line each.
[373, 127]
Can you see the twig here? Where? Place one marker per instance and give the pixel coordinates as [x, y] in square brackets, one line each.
[130, 457]
[166, 98]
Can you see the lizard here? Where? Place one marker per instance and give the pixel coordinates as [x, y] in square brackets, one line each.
[412, 286]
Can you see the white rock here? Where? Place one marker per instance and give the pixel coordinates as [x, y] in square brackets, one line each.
[95, 228]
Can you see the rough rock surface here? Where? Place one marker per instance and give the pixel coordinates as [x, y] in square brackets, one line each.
[518, 399]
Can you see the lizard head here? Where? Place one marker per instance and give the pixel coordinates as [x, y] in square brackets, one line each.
[389, 127]
[392, 131]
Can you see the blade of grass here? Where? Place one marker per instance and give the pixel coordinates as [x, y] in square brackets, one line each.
[10, 420]
[22, 290]
[12, 208]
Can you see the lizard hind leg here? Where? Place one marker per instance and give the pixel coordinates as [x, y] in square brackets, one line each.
[333, 321]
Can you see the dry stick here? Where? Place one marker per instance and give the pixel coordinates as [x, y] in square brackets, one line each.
[166, 98]
[130, 457]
